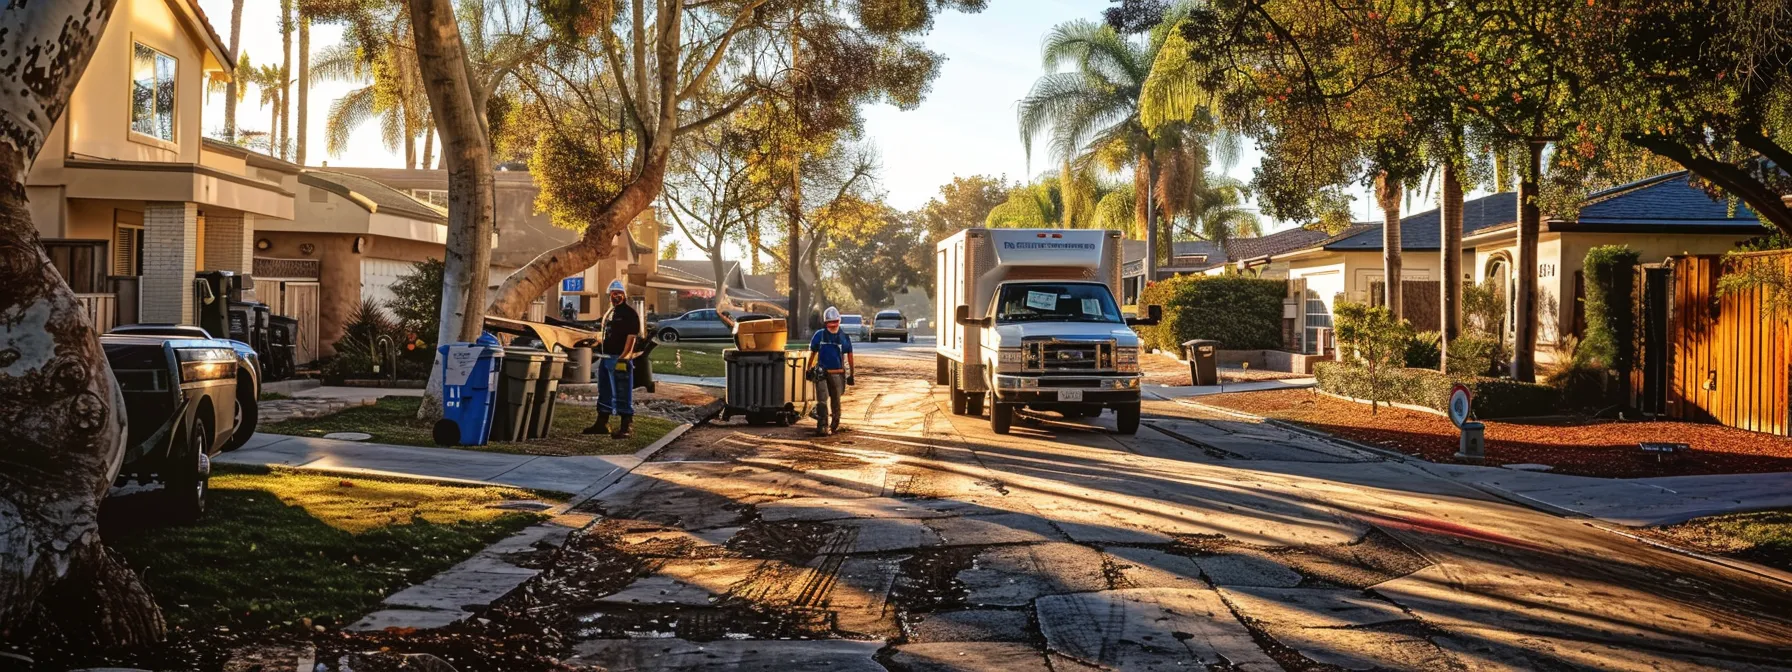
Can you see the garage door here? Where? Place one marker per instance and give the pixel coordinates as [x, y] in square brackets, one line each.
[377, 276]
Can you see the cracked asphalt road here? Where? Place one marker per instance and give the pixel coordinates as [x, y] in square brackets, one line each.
[919, 540]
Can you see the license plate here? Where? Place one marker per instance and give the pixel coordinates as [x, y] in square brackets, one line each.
[1070, 395]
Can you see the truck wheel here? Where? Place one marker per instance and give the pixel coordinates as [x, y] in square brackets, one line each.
[1001, 417]
[248, 413]
[960, 403]
[1126, 418]
[187, 474]
[973, 404]
[873, 339]
[905, 338]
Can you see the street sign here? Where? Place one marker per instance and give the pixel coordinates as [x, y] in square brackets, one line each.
[1650, 447]
[1459, 404]
[573, 284]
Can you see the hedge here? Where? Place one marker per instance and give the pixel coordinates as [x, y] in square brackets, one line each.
[1241, 313]
[1493, 397]
[1610, 342]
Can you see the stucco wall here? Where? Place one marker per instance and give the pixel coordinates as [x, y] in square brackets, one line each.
[99, 113]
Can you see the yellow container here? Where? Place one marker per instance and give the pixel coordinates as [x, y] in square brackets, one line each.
[760, 335]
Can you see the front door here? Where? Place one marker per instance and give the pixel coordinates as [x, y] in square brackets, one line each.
[1656, 305]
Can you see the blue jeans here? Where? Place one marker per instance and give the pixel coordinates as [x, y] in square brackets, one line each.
[616, 386]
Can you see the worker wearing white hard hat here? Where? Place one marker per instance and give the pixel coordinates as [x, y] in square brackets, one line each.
[830, 355]
[616, 375]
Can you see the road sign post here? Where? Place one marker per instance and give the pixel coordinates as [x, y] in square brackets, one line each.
[1473, 445]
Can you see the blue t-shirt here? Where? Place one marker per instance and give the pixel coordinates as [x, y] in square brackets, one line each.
[830, 349]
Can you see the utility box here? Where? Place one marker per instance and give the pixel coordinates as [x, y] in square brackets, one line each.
[1203, 361]
[1473, 447]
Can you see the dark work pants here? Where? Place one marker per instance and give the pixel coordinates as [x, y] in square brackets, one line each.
[827, 399]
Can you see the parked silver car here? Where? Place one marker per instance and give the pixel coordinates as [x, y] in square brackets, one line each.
[889, 324]
[705, 323]
[855, 326]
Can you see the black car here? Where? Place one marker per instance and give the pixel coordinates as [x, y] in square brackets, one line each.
[181, 403]
[250, 374]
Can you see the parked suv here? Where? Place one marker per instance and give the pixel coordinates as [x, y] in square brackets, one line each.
[249, 374]
[181, 404]
[889, 324]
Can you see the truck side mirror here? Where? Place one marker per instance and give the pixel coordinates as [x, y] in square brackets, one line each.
[1153, 315]
[964, 318]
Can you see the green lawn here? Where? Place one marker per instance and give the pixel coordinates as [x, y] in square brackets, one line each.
[689, 359]
[1764, 536]
[277, 546]
[394, 420]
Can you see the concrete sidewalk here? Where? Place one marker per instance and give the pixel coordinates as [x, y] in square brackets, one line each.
[569, 474]
[1170, 392]
[1631, 502]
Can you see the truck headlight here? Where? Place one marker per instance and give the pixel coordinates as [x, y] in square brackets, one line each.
[1009, 359]
[1126, 359]
[199, 364]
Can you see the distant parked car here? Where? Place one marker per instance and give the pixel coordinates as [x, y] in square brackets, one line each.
[889, 324]
[249, 374]
[855, 326]
[705, 323]
[181, 405]
[921, 327]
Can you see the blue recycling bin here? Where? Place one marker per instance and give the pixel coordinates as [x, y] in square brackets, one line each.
[469, 391]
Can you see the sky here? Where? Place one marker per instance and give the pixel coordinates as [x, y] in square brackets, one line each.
[966, 126]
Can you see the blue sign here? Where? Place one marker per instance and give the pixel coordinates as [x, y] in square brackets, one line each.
[573, 284]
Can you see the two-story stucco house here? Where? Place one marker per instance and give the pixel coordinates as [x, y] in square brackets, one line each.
[129, 198]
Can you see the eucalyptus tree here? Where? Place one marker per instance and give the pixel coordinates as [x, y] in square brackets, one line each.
[712, 195]
[62, 416]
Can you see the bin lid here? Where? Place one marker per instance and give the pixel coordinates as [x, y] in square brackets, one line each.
[1201, 341]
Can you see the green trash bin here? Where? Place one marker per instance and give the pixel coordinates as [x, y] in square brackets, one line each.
[547, 390]
[517, 383]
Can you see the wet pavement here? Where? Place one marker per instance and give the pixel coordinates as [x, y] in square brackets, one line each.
[919, 540]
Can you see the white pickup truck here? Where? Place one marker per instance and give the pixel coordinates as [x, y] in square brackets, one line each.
[1027, 317]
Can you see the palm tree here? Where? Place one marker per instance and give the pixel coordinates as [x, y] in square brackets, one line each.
[392, 92]
[233, 91]
[266, 78]
[1216, 212]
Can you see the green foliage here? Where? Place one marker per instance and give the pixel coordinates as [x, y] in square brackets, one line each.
[1584, 379]
[360, 347]
[1610, 342]
[1492, 398]
[1474, 354]
[1770, 275]
[417, 300]
[1241, 313]
[1371, 338]
[1423, 351]
[1484, 308]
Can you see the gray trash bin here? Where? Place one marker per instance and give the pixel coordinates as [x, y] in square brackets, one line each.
[547, 391]
[1203, 366]
[578, 366]
[766, 387]
[517, 382]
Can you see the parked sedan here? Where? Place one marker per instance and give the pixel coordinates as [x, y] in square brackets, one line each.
[889, 324]
[248, 378]
[180, 398]
[855, 326]
[696, 324]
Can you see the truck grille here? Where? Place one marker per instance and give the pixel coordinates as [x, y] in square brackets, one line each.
[1069, 356]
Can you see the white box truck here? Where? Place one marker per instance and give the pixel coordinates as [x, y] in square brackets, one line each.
[1028, 318]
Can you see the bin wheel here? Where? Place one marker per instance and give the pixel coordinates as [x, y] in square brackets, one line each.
[1126, 418]
[446, 432]
[786, 419]
[1001, 417]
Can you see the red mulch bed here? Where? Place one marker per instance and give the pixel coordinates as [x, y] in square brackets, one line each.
[1572, 445]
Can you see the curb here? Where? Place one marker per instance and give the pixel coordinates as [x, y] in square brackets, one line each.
[1744, 566]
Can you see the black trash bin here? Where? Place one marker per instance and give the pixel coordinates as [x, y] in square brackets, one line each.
[1202, 365]
[517, 382]
[283, 347]
[547, 390]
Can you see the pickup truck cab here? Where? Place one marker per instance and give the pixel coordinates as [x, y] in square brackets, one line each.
[180, 397]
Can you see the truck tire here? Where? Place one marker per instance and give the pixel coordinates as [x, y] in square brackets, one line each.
[942, 370]
[248, 413]
[973, 404]
[960, 400]
[1001, 417]
[1126, 418]
[186, 476]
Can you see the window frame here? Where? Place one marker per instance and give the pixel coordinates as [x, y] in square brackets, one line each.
[130, 114]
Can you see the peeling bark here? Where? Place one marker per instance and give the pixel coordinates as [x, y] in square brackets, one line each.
[1387, 194]
[61, 414]
[1524, 332]
[1450, 217]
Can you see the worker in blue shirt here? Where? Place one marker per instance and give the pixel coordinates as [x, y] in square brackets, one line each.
[830, 355]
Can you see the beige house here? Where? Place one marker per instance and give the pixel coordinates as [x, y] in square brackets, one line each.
[129, 198]
[1657, 217]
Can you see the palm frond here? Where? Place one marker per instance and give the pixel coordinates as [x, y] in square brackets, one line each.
[346, 114]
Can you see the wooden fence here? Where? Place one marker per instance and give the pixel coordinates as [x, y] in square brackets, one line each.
[1420, 302]
[1725, 356]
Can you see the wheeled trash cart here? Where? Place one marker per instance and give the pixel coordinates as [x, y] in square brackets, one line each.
[766, 387]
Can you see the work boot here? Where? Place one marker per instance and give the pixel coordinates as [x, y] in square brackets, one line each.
[834, 428]
[622, 430]
[602, 426]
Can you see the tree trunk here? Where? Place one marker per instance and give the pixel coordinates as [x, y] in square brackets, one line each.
[233, 86]
[286, 21]
[1524, 332]
[62, 420]
[1387, 194]
[442, 64]
[1146, 213]
[410, 142]
[1449, 212]
[429, 149]
[304, 84]
[798, 317]
[715, 266]
[1066, 190]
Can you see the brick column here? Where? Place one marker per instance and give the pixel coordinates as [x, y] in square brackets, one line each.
[170, 250]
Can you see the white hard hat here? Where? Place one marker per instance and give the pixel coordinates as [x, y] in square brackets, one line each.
[616, 286]
[832, 314]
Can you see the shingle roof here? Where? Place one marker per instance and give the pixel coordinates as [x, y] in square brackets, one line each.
[1135, 249]
[385, 198]
[1662, 199]
[1273, 244]
[1423, 231]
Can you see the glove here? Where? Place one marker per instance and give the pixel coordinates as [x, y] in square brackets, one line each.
[849, 382]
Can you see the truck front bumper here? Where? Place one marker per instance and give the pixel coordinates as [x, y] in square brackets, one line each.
[1099, 390]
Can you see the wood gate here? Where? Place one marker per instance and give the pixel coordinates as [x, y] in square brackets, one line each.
[1725, 356]
[297, 299]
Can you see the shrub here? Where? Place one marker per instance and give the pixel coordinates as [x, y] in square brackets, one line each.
[1484, 308]
[1241, 313]
[1371, 337]
[1610, 342]
[1422, 351]
[1492, 397]
[1474, 354]
[358, 349]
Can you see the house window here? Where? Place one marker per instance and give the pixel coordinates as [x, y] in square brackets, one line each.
[1318, 317]
[435, 197]
[152, 93]
[127, 250]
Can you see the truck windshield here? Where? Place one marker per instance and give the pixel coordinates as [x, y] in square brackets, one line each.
[1075, 302]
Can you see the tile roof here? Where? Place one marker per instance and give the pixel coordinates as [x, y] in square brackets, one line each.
[385, 198]
[1423, 231]
[1273, 244]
